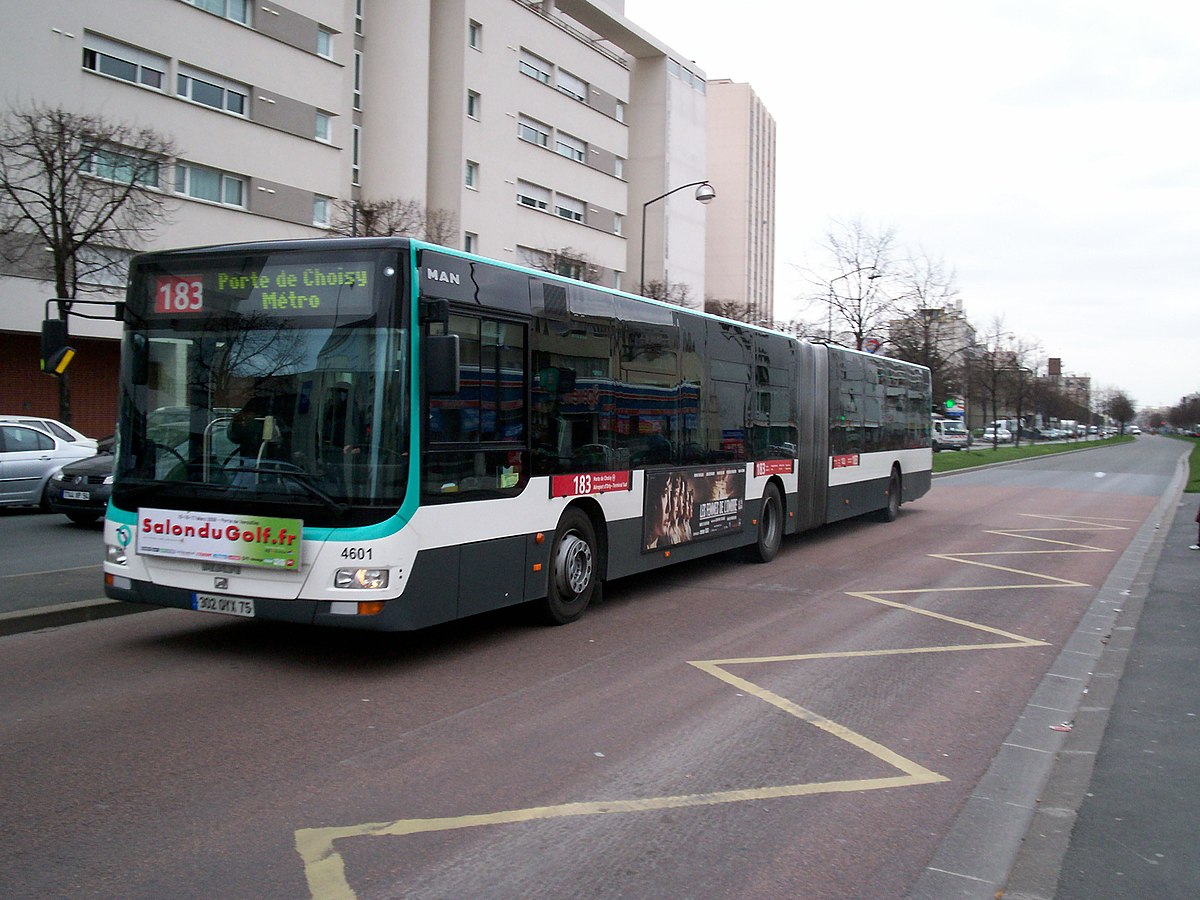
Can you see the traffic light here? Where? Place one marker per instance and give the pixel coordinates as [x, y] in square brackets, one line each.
[56, 355]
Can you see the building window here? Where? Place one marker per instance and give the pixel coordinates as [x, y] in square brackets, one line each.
[619, 112]
[358, 17]
[619, 167]
[324, 129]
[116, 165]
[569, 208]
[321, 206]
[358, 70]
[355, 150]
[211, 185]
[107, 57]
[572, 86]
[472, 176]
[236, 10]
[325, 43]
[211, 90]
[618, 223]
[532, 196]
[475, 35]
[535, 67]
[471, 242]
[570, 147]
[473, 102]
[533, 131]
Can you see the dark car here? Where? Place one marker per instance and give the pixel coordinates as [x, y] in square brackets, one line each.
[81, 489]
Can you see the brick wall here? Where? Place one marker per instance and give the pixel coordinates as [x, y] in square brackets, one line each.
[25, 389]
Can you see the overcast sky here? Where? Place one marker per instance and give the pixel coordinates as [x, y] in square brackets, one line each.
[1047, 150]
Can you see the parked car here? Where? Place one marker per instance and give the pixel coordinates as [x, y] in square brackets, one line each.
[28, 457]
[80, 490]
[1133, 429]
[997, 436]
[52, 427]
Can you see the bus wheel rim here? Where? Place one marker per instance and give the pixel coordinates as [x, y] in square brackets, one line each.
[573, 567]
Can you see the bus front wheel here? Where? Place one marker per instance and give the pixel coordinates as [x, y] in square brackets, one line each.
[574, 569]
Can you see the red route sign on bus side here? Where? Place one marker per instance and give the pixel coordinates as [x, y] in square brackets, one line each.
[845, 461]
[590, 483]
[773, 467]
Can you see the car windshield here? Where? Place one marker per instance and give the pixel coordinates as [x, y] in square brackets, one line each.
[245, 409]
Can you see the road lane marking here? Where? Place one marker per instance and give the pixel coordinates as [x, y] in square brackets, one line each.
[324, 866]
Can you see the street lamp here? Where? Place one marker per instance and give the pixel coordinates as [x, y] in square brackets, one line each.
[829, 325]
[705, 193]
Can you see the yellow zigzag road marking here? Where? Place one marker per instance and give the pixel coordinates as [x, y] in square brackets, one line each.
[325, 869]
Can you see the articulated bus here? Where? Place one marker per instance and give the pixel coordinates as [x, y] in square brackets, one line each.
[380, 433]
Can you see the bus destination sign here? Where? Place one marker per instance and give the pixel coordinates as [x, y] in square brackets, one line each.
[288, 289]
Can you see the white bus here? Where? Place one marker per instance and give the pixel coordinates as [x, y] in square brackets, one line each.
[385, 434]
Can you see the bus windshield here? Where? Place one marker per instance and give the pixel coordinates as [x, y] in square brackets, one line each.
[273, 383]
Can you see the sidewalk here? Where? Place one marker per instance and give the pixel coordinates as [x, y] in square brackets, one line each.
[1119, 816]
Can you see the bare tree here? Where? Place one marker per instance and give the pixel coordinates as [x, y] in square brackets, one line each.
[854, 293]
[676, 292]
[568, 262]
[737, 311]
[84, 188]
[394, 216]
[1121, 408]
[932, 330]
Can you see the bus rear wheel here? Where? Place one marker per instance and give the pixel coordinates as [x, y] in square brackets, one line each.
[770, 525]
[890, 512]
[574, 569]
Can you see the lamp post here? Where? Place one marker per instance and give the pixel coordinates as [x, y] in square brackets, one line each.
[705, 193]
[829, 325]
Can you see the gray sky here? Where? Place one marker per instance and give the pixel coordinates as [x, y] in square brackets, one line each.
[1048, 151]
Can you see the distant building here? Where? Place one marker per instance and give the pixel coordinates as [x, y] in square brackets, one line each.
[740, 244]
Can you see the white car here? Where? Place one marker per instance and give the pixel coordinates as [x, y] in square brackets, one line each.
[52, 427]
[997, 436]
[28, 457]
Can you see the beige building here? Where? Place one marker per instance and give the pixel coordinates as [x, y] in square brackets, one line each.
[740, 242]
[541, 130]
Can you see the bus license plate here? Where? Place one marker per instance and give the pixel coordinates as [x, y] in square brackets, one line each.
[229, 606]
[76, 495]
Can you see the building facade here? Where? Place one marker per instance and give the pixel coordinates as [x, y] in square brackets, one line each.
[740, 244]
[536, 131]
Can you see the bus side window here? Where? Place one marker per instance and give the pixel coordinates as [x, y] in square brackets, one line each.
[475, 439]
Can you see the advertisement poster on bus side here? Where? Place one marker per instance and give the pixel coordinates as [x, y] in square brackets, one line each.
[216, 537]
[691, 504]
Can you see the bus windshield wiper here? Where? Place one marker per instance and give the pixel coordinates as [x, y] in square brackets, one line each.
[303, 479]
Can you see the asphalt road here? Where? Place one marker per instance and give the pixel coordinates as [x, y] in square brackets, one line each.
[814, 727]
[45, 558]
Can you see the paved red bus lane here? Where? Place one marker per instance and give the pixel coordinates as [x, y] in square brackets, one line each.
[811, 727]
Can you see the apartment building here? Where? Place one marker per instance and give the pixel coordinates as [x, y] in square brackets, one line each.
[740, 248]
[538, 129]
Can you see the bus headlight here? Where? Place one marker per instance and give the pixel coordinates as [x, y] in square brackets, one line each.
[368, 579]
[115, 555]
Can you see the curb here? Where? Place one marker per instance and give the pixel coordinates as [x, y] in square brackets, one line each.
[25, 620]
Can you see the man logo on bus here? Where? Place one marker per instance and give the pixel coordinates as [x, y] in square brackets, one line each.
[438, 275]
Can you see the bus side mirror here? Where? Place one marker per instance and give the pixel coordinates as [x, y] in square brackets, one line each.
[441, 365]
